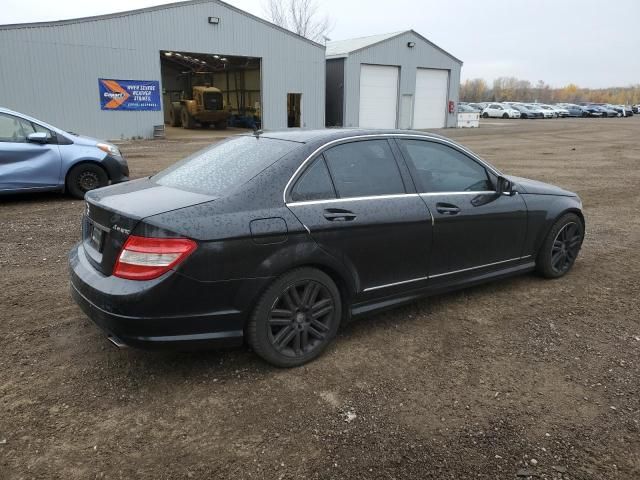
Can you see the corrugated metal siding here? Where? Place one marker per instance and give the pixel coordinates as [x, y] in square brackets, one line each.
[51, 71]
[335, 93]
[395, 52]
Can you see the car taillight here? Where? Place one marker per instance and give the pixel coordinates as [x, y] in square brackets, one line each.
[145, 258]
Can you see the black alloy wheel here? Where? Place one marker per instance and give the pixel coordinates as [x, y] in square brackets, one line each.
[561, 247]
[296, 318]
[565, 247]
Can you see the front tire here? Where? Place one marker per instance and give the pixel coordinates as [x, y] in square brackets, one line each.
[505, 115]
[485, 115]
[85, 177]
[174, 116]
[561, 246]
[296, 318]
[187, 120]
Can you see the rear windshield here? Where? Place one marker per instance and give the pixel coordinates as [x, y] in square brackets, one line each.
[225, 165]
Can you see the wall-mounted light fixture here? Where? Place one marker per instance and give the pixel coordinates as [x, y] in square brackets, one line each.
[214, 20]
[411, 44]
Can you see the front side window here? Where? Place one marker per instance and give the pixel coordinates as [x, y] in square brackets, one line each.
[364, 168]
[315, 184]
[14, 129]
[440, 168]
[226, 165]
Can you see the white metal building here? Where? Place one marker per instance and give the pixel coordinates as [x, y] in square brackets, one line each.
[51, 70]
[394, 80]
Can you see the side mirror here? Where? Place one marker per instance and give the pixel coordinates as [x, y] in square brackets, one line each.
[505, 187]
[38, 137]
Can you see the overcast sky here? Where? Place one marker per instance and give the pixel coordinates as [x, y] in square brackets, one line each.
[593, 43]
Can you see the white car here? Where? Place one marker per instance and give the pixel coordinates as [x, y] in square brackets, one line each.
[498, 110]
[562, 112]
[536, 107]
[556, 110]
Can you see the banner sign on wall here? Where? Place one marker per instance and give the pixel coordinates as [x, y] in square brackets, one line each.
[137, 95]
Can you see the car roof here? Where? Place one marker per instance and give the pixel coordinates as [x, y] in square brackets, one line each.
[327, 134]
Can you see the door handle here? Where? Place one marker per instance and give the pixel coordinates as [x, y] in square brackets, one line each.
[339, 215]
[447, 209]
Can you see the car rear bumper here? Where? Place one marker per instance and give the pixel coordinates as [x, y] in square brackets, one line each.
[173, 311]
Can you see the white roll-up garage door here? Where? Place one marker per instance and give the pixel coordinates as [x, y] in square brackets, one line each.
[378, 96]
[430, 108]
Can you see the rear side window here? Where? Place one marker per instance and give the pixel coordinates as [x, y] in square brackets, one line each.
[315, 184]
[226, 165]
[364, 168]
[440, 168]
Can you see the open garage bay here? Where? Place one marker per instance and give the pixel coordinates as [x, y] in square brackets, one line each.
[525, 376]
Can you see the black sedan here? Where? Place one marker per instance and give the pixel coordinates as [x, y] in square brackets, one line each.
[278, 238]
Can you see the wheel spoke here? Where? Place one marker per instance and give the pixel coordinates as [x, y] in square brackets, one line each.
[279, 322]
[316, 333]
[310, 293]
[285, 339]
[557, 245]
[286, 297]
[322, 312]
[295, 296]
[297, 341]
[304, 339]
[318, 325]
[321, 304]
[281, 313]
[556, 258]
[282, 334]
[575, 241]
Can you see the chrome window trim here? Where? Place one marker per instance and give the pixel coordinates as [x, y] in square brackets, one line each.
[479, 192]
[382, 135]
[443, 274]
[353, 199]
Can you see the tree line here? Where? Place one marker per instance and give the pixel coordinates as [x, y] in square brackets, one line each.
[514, 89]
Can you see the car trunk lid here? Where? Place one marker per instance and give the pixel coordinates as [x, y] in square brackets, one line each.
[112, 213]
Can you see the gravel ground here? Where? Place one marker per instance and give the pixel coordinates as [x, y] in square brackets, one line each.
[514, 378]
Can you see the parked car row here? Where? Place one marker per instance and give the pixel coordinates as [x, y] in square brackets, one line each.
[508, 110]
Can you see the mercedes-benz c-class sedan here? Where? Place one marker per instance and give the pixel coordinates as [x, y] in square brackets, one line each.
[278, 238]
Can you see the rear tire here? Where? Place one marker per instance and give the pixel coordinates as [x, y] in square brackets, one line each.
[205, 124]
[85, 177]
[222, 125]
[174, 117]
[561, 247]
[296, 318]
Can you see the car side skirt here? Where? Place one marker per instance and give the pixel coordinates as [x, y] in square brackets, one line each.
[404, 297]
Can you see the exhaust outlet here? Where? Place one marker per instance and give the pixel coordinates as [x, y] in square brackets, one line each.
[116, 341]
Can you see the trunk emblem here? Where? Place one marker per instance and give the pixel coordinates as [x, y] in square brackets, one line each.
[121, 229]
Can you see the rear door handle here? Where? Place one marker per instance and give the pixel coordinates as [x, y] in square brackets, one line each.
[339, 215]
[447, 209]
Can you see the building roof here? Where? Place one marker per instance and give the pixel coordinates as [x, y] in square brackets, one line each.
[153, 9]
[342, 48]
